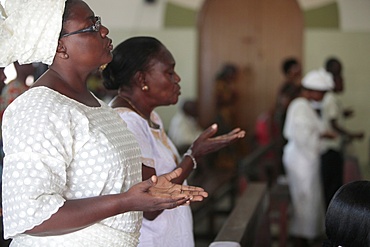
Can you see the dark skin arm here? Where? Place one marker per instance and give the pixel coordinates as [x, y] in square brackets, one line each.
[347, 113]
[342, 131]
[156, 193]
[203, 145]
[148, 172]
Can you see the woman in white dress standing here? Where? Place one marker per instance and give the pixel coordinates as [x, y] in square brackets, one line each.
[303, 129]
[72, 170]
[143, 73]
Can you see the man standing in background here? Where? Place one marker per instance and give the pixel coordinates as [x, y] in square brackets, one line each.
[332, 158]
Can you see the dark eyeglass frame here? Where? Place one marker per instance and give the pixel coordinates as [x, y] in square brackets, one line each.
[93, 28]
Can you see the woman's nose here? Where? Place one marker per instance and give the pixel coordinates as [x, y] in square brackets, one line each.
[177, 78]
[103, 31]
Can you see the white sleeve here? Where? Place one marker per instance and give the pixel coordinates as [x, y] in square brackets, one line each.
[300, 127]
[38, 147]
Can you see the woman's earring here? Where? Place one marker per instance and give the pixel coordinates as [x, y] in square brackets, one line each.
[102, 67]
[145, 88]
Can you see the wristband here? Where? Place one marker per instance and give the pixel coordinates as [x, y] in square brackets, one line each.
[189, 153]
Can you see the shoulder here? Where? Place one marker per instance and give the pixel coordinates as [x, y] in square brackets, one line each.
[128, 115]
[299, 107]
[42, 98]
[329, 95]
[299, 102]
[157, 118]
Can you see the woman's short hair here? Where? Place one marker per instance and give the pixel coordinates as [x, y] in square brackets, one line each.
[129, 57]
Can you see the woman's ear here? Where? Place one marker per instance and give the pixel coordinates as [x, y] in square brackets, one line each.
[61, 50]
[140, 79]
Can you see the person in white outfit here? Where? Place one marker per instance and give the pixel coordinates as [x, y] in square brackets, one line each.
[184, 128]
[143, 73]
[303, 130]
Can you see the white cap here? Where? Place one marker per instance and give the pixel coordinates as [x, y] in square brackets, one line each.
[319, 80]
[29, 30]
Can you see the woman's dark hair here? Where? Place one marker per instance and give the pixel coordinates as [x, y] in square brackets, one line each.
[129, 57]
[288, 64]
[348, 215]
[330, 62]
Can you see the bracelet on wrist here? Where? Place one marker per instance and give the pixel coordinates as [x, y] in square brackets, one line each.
[190, 155]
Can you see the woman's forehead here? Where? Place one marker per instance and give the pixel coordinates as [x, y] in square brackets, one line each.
[79, 10]
[165, 56]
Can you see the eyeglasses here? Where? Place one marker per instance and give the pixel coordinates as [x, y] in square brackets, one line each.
[93, 28]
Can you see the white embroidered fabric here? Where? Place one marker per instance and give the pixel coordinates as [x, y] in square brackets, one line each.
[58, 149]
[30, 31]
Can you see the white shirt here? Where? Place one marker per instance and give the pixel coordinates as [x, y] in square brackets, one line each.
[331, 110]
[57, 149]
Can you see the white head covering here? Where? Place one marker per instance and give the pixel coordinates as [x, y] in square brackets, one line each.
[319, 80]
[30, 30]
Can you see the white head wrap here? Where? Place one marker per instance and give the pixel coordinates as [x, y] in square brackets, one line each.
[29, 30]
[319, 80]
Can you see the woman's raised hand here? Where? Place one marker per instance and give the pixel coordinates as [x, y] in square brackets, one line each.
[206, 143]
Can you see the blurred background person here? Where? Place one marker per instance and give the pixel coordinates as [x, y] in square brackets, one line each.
[226, 97]
[184, 128]
[289, 90]
[24, 77]
[2, 78]
[303, 130]
[332, 157]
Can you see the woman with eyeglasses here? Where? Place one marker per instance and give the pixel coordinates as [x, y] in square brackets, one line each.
[143, 73]
[72, 169]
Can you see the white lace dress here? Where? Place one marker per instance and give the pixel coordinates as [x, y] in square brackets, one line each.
[57, 149]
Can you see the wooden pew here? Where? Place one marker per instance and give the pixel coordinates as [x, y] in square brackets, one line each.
[221, 186]
[240, 228]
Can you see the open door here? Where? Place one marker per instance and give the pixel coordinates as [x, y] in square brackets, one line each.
[256, 36]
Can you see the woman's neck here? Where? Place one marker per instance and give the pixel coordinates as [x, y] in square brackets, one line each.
[122, 100]
[77, 91]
